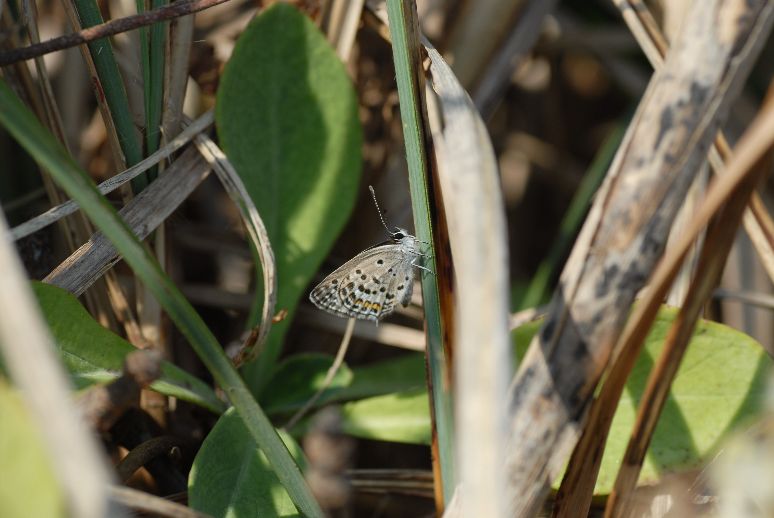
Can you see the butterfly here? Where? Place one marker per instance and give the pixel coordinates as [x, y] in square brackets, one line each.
[370, 285]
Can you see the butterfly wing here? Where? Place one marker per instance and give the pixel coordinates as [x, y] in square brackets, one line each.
[326, 295]
[367, 286]
[376, 296]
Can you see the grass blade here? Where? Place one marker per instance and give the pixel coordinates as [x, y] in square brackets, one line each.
[405, 46]
[112, 87]
[49, 154]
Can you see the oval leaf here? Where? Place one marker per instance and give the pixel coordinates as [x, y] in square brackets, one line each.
[402, 374]
[297, 379]
[287, 117]
[92, 354]
[720, 384]
[231, 477]
[401, 417]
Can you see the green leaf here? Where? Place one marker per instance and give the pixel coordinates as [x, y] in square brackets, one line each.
[401, 417]
[231, 477]
[110, 84]
[402, 374]
[29, 487]
[287, 118]
[49, 153]
[298, 378]
[719, 385]
[92, 354]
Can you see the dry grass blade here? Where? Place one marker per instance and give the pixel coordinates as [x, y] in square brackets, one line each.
[715, 251]
[388, 481]
[76, 229]
[627, 233]
[500, 21]
[757, 221]
[28, 353]
[760, 137]
[644, 29]
[176, 74]
[143, 214]
[760, 229]
[111, 184]
[145, 502]
[117, 152]
[470, 187]
[341, 25]
[385, 333]
[761, 300]
[523, 36]
[256, 229]
[173, 10]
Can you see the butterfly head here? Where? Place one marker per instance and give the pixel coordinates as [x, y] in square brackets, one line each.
[398, 234]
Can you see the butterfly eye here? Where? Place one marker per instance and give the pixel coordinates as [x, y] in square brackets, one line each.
[398, 234]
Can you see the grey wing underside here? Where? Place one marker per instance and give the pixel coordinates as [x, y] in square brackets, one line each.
[346, 293]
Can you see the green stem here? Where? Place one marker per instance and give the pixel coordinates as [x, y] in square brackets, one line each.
[405, 47]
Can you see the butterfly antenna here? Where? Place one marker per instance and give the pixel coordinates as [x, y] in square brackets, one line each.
[378, 210]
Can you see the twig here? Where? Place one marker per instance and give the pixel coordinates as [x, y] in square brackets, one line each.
[761, 300]
[393, 335]
[128, 23]
[111, 184]
[334, 368]
[143, 214]
[146, 502]
[526, 316]
[144, 453]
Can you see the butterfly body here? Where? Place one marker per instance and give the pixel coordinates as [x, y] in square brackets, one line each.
[370, 285]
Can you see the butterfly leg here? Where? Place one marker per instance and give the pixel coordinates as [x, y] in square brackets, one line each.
[422, 267]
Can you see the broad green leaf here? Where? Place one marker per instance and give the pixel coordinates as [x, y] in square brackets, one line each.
[401, 417]
[92, 354]
[719, 385]
[402, 374]
[287, 118]
[29, 487]
[231, 477]
[298, 378]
